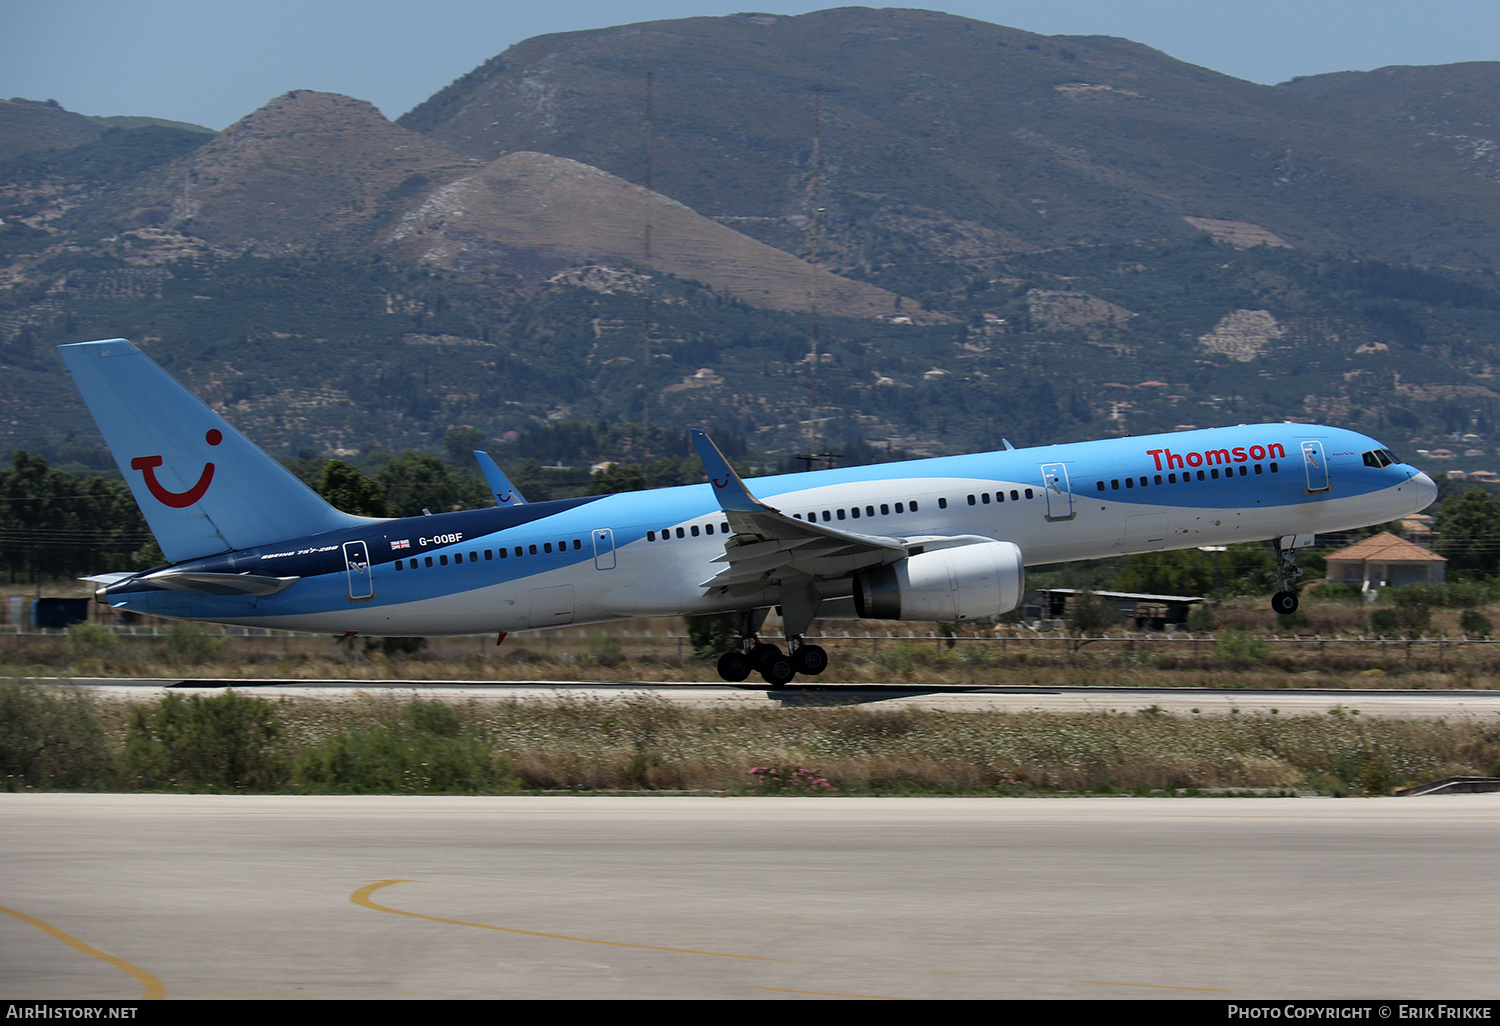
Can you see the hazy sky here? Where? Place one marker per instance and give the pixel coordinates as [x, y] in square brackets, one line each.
[214, 61]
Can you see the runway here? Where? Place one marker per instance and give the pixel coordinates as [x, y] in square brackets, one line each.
[198, 896]
[1424, 704]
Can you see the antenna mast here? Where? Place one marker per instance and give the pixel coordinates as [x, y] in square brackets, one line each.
[646, 312]
[812, 457]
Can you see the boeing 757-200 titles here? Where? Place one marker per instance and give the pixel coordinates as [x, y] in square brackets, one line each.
[935, 539]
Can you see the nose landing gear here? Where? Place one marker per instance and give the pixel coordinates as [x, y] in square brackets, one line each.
[1287, 572]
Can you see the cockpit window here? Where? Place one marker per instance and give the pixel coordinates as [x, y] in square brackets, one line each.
[1380, 458]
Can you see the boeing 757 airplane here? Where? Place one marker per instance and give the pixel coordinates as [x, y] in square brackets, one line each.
[937, 539]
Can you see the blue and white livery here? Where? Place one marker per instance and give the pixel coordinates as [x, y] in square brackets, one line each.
[936, 539]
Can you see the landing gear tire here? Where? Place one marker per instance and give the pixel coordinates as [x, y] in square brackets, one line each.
[777, 670]
[810, 659]
[1284, 602]
[762, 655]
[734, 666]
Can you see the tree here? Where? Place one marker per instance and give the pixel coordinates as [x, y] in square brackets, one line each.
[345, 488]
[415, 481]
[615, 478]
[1469, 533]
[1181, 572]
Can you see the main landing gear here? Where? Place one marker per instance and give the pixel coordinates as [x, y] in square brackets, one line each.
[775, 667]
[1285, 599]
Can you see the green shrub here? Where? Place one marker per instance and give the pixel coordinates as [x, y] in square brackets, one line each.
[1475, 624]
[423, 750]
[713, 633]
[52, 737]
[190, 643]
[221, 742]
[92, 641]
[1241, 646]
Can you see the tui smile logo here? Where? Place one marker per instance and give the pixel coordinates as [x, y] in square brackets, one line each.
[720, 484]
[177, 500]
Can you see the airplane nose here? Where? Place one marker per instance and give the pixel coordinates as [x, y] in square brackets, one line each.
[1426, 489]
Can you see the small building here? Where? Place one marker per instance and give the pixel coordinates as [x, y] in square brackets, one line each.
[1143, 611]
[1385, 561]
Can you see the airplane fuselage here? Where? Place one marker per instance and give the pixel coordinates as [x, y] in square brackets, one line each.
[546, 564]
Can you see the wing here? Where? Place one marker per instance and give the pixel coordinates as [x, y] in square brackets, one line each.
[769, 547]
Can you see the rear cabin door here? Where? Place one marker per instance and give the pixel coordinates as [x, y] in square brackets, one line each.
[360, 574]
[604, 548]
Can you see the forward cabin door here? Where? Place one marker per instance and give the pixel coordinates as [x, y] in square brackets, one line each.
[1058, 491]
[1314, 461]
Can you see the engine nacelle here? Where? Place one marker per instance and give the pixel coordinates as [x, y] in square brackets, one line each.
[967, 582]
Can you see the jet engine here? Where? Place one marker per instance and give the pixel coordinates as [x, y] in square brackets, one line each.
[967, 582]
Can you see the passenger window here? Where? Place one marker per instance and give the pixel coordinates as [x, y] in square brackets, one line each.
[1030, 494]
[694, 530]
[531, 549]
[986, 498]
[1014, 495]
[900, 507]
[427, 560]
[854, 512]
[885, 509]
[914, 505]
[841, 514]
[443, 560]
[1275, 469]
[398, 564]
[651, 536]
[681, 533]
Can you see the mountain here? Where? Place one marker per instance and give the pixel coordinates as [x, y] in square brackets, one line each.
[1000, 235]
[1451, 112]
[953, 138]
[535, 213]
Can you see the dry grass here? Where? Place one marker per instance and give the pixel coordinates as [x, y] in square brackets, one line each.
[641, 742]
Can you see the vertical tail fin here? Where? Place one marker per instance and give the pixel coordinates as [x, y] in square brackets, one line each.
[202, 486]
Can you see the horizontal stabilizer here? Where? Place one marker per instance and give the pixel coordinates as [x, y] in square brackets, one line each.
[217, 584]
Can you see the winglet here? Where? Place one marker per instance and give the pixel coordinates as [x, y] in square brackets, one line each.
[505, 493]
[731, 492]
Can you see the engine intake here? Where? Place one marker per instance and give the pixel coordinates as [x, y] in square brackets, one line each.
[967, 582]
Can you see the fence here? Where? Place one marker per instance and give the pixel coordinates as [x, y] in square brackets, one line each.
[1060, 643]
